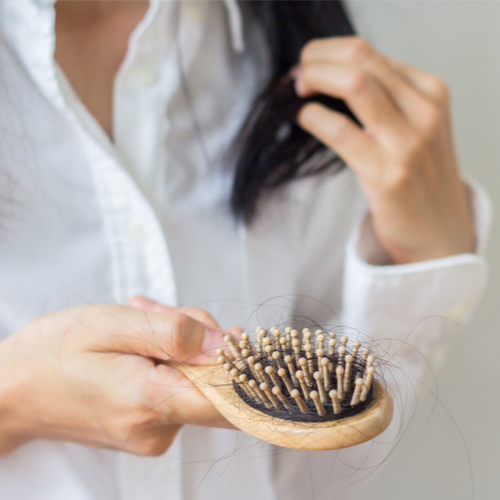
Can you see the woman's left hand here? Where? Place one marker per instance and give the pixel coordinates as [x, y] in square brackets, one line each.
[403, 155]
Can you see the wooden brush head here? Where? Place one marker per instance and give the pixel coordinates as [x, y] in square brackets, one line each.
[297, 391]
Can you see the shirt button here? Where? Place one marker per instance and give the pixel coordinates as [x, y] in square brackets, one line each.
[458, 312]
[136, 229]
[143, 76]
[193, 13]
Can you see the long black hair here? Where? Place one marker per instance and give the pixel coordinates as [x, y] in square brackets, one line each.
[271, 148]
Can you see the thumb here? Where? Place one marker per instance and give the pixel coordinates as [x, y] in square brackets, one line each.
[166, 336]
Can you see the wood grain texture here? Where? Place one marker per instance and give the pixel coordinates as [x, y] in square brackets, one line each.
[217, 387]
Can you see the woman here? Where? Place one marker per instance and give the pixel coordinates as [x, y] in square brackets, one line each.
[126, 112]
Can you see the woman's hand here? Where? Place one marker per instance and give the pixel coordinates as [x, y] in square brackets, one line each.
[92, 375]
[403, 155]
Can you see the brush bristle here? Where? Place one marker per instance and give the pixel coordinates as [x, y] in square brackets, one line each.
[300, 377]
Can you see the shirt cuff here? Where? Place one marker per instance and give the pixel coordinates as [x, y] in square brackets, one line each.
[365, 244]
[420, 303]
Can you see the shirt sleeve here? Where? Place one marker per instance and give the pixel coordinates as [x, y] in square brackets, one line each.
[412, 310]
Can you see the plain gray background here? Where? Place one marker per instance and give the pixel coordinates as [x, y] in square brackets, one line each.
[459, 41]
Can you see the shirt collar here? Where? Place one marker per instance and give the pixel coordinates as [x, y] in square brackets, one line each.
[28, 26]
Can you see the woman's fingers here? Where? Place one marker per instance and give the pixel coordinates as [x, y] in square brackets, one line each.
[236, 331]
[340, 133]
[403, 154]
[416, 94]
[92, 375]
[167, 383]
[161, 335]
[429, 85]
[368, 100]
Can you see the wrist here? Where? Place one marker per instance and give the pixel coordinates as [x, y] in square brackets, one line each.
[12, 431]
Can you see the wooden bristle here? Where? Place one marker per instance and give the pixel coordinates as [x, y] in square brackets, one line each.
[335, 402]
[305, 369]
[272, 375]
[369, 362]
[260, 336]
[221, 356]
[305, 389]
[283, 344]
[232, 347]
[320, 386]
[365, 352]
[276, 337]
[268, 392]
[355, 348]
[326, 374]
[320, 340]
[347, 375]
[277, 392]
[368, 382]
[319, 407]
[296, 348]
[284, 376]
[357, 391]
[364, 356]
[331, 347]
[341, 353]
[300, 402]
[277, 358]
[340, 385]
[319, 354]
[259, 371]
[306, 339]
[260, 394]
[251, 364]
[243, 379]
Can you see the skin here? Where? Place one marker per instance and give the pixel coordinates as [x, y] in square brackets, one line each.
[91, 43]
[403, 156]
[94, 374]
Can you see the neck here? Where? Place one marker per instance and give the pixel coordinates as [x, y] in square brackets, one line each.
[84, 13]
[91, 42]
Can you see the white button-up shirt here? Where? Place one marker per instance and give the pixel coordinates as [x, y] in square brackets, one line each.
[84, 220]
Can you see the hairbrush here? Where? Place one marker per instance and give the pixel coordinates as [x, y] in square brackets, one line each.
[296, 391]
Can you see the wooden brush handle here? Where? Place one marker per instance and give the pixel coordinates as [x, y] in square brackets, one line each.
[217, 386]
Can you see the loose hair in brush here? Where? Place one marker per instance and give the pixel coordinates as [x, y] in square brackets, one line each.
[297, 390]
[272, 149]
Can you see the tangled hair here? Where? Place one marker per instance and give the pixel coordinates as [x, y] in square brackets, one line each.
[272, 149]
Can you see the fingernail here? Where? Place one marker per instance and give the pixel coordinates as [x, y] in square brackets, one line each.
[141, 302]
[212, 341]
